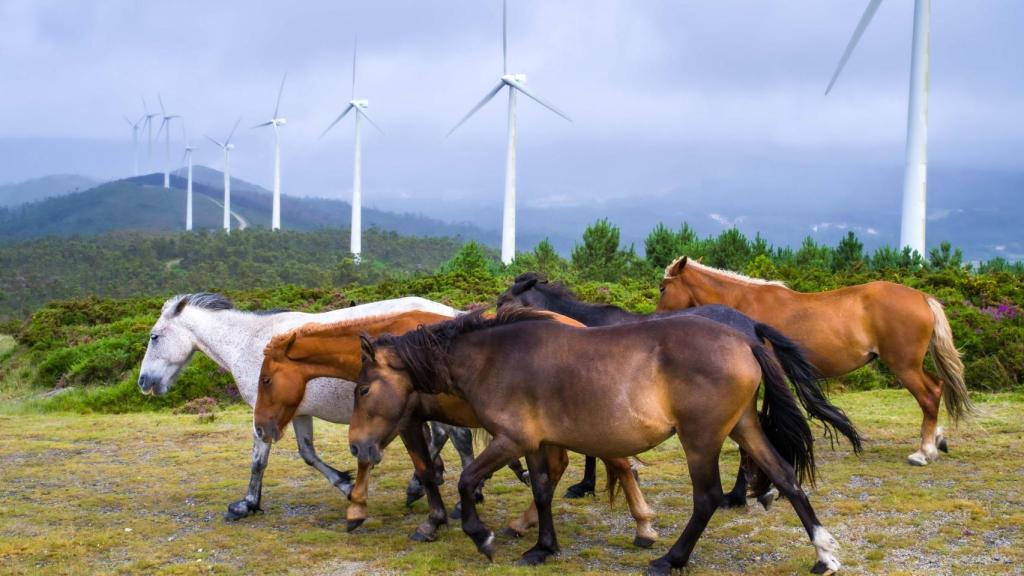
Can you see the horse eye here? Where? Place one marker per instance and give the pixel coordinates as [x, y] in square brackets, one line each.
[154, 337]
[364, 390]
[266, 380]
[662, 289]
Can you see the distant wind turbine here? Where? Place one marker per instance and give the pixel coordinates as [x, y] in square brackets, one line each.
[515, 83]
[276, 121]
[360, 106]
[188, 189]
[915, 177]
[149, 131]
[227, 147]
[166, 123]
[135, 142]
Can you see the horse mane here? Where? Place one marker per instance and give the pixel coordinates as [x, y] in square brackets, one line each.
[558, 290]
[208, 301]
[425, 351]
[726, 273]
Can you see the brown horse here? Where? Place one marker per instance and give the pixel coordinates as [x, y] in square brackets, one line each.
[842, 330]
[611, 392]
[294, 358]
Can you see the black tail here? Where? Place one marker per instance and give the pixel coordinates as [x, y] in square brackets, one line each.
[783, 422]
[807, 381]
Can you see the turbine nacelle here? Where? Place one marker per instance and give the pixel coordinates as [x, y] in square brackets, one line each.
[361, 104]
[519, 77]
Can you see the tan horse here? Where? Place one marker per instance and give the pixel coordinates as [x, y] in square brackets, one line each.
[842, 330]
[332, 350]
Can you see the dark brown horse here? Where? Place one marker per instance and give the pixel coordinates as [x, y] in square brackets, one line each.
[294, 358]
[610, 392]
[532, 290]
[844, 329]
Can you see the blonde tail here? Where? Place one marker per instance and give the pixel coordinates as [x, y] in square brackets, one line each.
[947, 361]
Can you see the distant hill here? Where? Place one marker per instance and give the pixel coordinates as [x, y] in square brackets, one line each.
[42, 188]
[141, 203]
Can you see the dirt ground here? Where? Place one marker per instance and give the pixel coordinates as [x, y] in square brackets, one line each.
[144, 493]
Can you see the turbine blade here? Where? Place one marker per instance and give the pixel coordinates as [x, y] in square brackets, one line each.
[279, 92]
[869, 13]
[161, 100]
[219, 144]
[372, 123]
[504, 36]
[537, 99]
[355, 51]
[161, 128]
[128, 121]
[264, 124]
[479, 105]
[144, 107]
[338, 119]
[237, 122]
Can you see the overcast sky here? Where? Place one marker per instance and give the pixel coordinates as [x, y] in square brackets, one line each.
[661, 92]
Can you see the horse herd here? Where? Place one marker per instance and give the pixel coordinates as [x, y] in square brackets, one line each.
[547, 373]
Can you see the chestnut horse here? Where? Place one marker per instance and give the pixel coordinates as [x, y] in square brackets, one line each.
[844, 329]
[530, 289]
[611, 392]
[332, 350]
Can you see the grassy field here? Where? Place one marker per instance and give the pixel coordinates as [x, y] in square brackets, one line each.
[144, 493]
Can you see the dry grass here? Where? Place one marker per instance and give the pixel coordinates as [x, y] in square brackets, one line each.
[145, 493]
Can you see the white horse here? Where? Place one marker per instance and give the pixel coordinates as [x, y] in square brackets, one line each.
[235, 341]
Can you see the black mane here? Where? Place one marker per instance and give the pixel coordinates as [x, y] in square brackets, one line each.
[425, 350]
[568, 304]
[213, 301]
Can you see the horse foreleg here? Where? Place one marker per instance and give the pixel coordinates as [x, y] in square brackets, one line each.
[419, 451]
[462, 439]
[621, 469]
[438, 438]
[542, 486]
[251, 503]
[303, 426]
[356, 513]
[498, 453]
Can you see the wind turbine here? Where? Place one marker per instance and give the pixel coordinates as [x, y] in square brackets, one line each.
[227, 147]
[149, 130]
[276, 121]
[166, 122]
[515, 83]
[188, 190]
[135, 142]
[360, 106]
[915, 177]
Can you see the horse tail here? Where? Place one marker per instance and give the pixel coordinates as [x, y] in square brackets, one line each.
[807, 381]
[947, 361]
[782, 420]
[612, 484]
[481, 438]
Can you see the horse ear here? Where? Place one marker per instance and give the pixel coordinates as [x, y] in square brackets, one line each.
[180, 306]
[677, 267]
[369, 353]
[287, 345]
[521, 287]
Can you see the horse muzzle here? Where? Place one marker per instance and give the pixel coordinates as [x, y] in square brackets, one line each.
[268, 433]
[366, 453]
[151, 385]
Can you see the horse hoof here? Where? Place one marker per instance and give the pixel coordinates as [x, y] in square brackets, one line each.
[534, 557]
[579, 491]
[917, 459]
[487, 547]
[734, 501]
[456, 512]
[643, 542]
[943, 445]
[510, 532]
[768, 498]
[240, 509]
[822, 568]
[351, 525]
[418, 536]
[659, 569]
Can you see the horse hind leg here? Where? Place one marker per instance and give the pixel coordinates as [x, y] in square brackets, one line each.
[303, 426]
[620, 469]
[927, 390]
[558, 461]
[751, 438]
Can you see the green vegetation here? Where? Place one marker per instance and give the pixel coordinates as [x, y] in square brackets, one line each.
[144, 494]
[82, 354]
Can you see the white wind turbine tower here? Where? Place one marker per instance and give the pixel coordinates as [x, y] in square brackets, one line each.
[227, 147]
[135, 142]
[188, 189]
[915, 178]
[149, 131]
[166, 123]
[360, 106]
[515, 83]
[276, 121]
